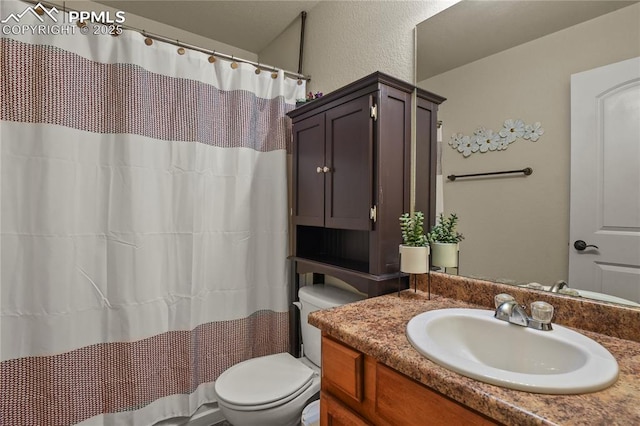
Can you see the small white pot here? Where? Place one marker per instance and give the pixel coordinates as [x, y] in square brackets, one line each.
[444, 254]
[414, 260]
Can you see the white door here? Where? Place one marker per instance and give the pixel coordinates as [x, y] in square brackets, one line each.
[605, 180]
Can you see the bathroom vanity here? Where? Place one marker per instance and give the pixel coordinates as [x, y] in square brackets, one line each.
[372, 374]
[359, 390]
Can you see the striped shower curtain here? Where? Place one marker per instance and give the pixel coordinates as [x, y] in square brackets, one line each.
[143, 225]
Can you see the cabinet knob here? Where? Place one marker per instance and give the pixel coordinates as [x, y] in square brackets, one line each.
[326, 169]
[318, 169]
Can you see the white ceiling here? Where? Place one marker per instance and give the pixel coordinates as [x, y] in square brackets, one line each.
[249, 25]
[471, 30]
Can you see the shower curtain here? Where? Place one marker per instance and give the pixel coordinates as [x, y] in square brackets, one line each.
[143, 225]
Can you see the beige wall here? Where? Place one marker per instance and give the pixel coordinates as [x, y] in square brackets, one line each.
[347, 40]
[283, 51]
[519, 227]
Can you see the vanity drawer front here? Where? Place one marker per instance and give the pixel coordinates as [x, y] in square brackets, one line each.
[402, 401]
[334, 413]
[342, 369]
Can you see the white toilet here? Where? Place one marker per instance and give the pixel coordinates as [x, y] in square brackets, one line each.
[273, 390]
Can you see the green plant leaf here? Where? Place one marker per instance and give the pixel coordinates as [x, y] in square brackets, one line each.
[412, 229]
[444, 231]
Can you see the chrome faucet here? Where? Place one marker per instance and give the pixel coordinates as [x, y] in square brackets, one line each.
[559, 285]
[507, 309]
[511, 312]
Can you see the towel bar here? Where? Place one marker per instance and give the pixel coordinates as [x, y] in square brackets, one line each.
[526, 171]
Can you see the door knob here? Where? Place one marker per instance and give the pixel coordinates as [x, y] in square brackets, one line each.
[318, 169]
[326, 169]
[581, 245]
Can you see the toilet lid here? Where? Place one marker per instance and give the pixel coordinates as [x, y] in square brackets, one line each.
[263, 380]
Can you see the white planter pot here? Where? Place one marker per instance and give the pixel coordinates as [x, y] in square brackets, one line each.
[444, 255]
[414, 260]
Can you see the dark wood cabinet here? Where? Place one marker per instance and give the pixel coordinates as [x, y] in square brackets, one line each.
[352, 179]
[308, 177]
[349, 159]
[332, 167]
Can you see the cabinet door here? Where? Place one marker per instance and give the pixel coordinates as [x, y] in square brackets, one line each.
[308, 180]
[342, 370]
[403, 401]
[334, 413]
[349, 156]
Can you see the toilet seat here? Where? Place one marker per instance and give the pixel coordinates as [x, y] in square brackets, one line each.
[249, 385]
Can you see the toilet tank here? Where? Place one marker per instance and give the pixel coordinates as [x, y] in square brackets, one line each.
[313, 298]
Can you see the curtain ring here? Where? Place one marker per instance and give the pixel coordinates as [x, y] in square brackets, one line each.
[181, 50]
[258, 70]
[234, 64]
[212, 58]
[147, 40]
[274, 74]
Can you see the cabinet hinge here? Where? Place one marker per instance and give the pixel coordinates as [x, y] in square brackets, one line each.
[373, 110]
[373, 213]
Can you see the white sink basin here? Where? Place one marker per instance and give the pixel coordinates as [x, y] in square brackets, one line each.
[475, 344]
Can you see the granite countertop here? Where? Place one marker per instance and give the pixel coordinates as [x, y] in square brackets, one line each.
[377, 326]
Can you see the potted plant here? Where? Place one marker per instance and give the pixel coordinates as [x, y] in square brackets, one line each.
[443, 239]
[414, 250]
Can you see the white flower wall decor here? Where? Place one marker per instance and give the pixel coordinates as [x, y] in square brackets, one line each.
[484, 140]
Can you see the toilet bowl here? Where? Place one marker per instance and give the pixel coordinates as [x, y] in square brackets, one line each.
[273, 390]
[269, 390]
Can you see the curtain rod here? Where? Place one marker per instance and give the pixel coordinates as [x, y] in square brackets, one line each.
[178, 43]
[303, 19]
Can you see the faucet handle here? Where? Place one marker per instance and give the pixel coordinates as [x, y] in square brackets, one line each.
[542, 312]
[499, 299]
